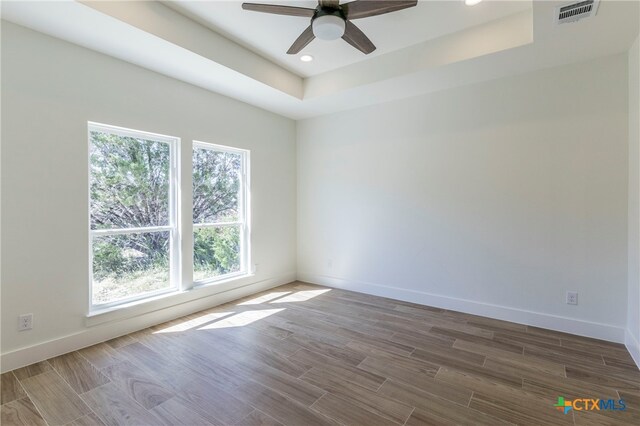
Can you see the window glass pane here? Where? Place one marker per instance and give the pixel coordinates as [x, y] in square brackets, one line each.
[216, 186]
[216, 251]
[129, 265]
[129, 181]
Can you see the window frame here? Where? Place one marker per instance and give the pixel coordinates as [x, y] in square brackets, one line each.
[175, 284]
[243, 213]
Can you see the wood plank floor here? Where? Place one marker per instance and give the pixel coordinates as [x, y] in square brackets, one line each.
[307, 355]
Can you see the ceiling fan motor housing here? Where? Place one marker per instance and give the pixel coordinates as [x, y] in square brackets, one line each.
[328, 23]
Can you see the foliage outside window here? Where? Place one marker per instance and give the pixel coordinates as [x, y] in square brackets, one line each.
[132, 221]
[219, 212]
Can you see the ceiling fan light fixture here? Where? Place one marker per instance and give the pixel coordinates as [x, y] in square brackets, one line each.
[471, 2]
[328, 27]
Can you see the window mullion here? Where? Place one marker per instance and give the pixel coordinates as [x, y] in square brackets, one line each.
[175, 258]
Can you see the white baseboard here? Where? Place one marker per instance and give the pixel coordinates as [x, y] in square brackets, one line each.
[92, 335]
[538, 319]
[633, 346]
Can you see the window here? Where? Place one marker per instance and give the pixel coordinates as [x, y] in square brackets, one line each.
[133, 233]
[220, 234]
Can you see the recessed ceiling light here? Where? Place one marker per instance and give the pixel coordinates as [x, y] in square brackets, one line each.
[306, 58]
[471, 2]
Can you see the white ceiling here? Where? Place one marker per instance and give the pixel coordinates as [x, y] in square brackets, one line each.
[271, 35]
[434, 46]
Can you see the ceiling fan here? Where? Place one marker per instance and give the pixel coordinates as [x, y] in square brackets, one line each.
[330, 20]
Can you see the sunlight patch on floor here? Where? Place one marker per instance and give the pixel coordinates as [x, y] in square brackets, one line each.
[196, 322]
[265, 298]
[228, 319]
[241, 319]
[301, 296]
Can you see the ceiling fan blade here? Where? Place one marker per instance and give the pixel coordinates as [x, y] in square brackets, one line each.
[366, 8]
[305, 38]
[279, 10]
[355, 37]
[333, 4]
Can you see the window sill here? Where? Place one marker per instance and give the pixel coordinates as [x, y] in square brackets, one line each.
[220, 280]
[166, 300]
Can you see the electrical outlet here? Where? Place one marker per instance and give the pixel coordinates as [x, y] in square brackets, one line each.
[572, 298]
[329, 263]
[254, 270]
[25, 322]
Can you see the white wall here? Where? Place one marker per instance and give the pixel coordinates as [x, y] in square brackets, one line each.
[632, 338]
[494, 198]
[50, 89]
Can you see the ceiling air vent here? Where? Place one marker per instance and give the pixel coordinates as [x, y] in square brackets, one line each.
[576, 11]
